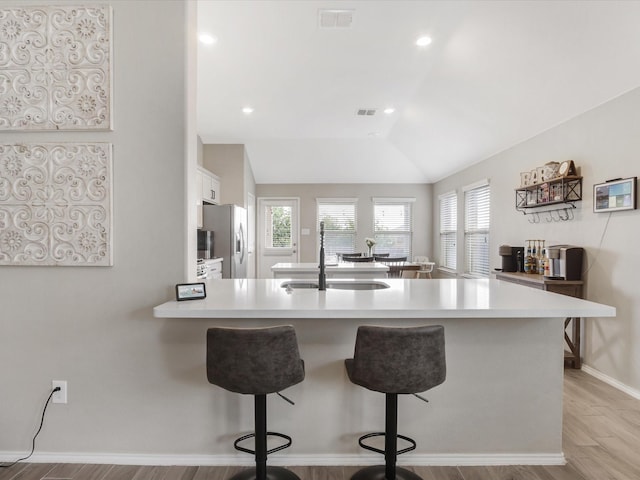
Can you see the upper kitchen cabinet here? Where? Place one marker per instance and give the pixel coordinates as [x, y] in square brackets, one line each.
[231, 163]
[208, 190]
[210, 186]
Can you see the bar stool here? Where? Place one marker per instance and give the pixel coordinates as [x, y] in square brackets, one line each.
[395, 360]
[256, 361]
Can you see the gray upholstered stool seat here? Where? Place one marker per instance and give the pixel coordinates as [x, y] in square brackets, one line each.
[395, 360]
[256, 361]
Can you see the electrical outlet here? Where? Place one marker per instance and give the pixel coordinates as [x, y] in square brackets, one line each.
[60, 396]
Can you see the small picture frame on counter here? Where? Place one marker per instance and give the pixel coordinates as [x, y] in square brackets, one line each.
[190, 291]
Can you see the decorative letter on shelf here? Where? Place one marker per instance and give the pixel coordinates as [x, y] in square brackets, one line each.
[55, 68]
[56, 204]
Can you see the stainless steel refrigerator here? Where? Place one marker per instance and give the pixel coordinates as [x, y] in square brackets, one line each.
[229, 224]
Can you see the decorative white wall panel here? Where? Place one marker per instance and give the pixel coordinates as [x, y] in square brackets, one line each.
[56, 204]
[55, 68]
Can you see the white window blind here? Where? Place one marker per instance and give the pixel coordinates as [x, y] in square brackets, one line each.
[476, 230]
[448, 230]
[393, 226]
[340, 224]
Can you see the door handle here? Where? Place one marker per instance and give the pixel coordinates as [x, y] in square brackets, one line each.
[242, 245]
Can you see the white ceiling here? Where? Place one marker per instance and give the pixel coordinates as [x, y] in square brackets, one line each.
[496, 73]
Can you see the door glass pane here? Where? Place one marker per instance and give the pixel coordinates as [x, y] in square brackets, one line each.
[278, 232]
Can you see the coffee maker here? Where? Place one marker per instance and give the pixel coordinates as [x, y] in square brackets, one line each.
[512, 258]
[565, 262]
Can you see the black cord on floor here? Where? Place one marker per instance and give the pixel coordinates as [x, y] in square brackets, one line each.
[33, 442]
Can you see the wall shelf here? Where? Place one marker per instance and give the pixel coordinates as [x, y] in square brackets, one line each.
[557, 192]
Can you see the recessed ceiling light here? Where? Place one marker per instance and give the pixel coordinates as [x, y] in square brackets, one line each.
[389, 110]
[247, 110]
[207, 39]
[423, 41]
[373, 134]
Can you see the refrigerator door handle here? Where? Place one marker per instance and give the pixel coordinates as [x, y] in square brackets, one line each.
[241, 244]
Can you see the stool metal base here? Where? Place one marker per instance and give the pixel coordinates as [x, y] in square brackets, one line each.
[377, 472]
[273, 473]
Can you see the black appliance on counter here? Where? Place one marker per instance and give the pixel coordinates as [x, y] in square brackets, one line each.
[205, 244]
[512, 258]
[565, 262]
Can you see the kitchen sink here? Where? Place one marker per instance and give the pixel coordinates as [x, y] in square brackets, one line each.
[358, 285]
[338, 285]
[299, 284]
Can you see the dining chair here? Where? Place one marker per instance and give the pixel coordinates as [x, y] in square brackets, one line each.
[395, 265]
[426, 267]
[406, 273]
[358, 259]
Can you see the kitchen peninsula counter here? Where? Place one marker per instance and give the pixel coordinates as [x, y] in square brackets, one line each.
[443, 298]
[500, 404]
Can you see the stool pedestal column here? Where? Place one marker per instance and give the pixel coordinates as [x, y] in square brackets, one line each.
[262, 471]
[388, 471]
[391, 435]
[260, 409]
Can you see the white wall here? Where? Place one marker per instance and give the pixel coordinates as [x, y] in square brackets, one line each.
[94, 326]
[605, 144]
[227, 161]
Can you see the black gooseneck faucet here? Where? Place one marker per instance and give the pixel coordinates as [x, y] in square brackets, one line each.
[322, 277]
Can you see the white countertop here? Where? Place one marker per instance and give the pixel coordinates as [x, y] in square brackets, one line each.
[213, 260]
[342, 267]
[442, 298]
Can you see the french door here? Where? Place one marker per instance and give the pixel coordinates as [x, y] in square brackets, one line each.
[277, 233]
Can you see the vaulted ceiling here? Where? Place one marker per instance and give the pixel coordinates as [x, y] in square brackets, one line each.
[496, 73]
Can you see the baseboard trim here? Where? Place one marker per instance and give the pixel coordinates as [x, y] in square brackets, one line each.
[611, 381]
[284, 460]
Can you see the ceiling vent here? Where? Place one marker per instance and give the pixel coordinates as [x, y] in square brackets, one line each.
[366, 112]
[330, 18]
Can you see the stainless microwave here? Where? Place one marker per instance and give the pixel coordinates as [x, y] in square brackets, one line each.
[205, 244]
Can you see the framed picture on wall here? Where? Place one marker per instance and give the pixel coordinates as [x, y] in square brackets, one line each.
[614, 195]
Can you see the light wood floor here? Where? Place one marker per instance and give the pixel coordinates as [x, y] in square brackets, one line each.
[601, 442]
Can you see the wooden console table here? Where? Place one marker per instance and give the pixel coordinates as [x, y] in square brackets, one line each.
[572, 288]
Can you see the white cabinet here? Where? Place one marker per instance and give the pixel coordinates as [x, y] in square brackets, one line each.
[214, 268]
[210, 187]
[208, 190]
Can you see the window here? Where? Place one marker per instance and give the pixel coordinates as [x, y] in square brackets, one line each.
[339, 217]
[476, 229]
[448, 230]
[392, 226]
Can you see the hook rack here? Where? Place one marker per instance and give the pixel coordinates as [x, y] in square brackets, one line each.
[561, 214]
